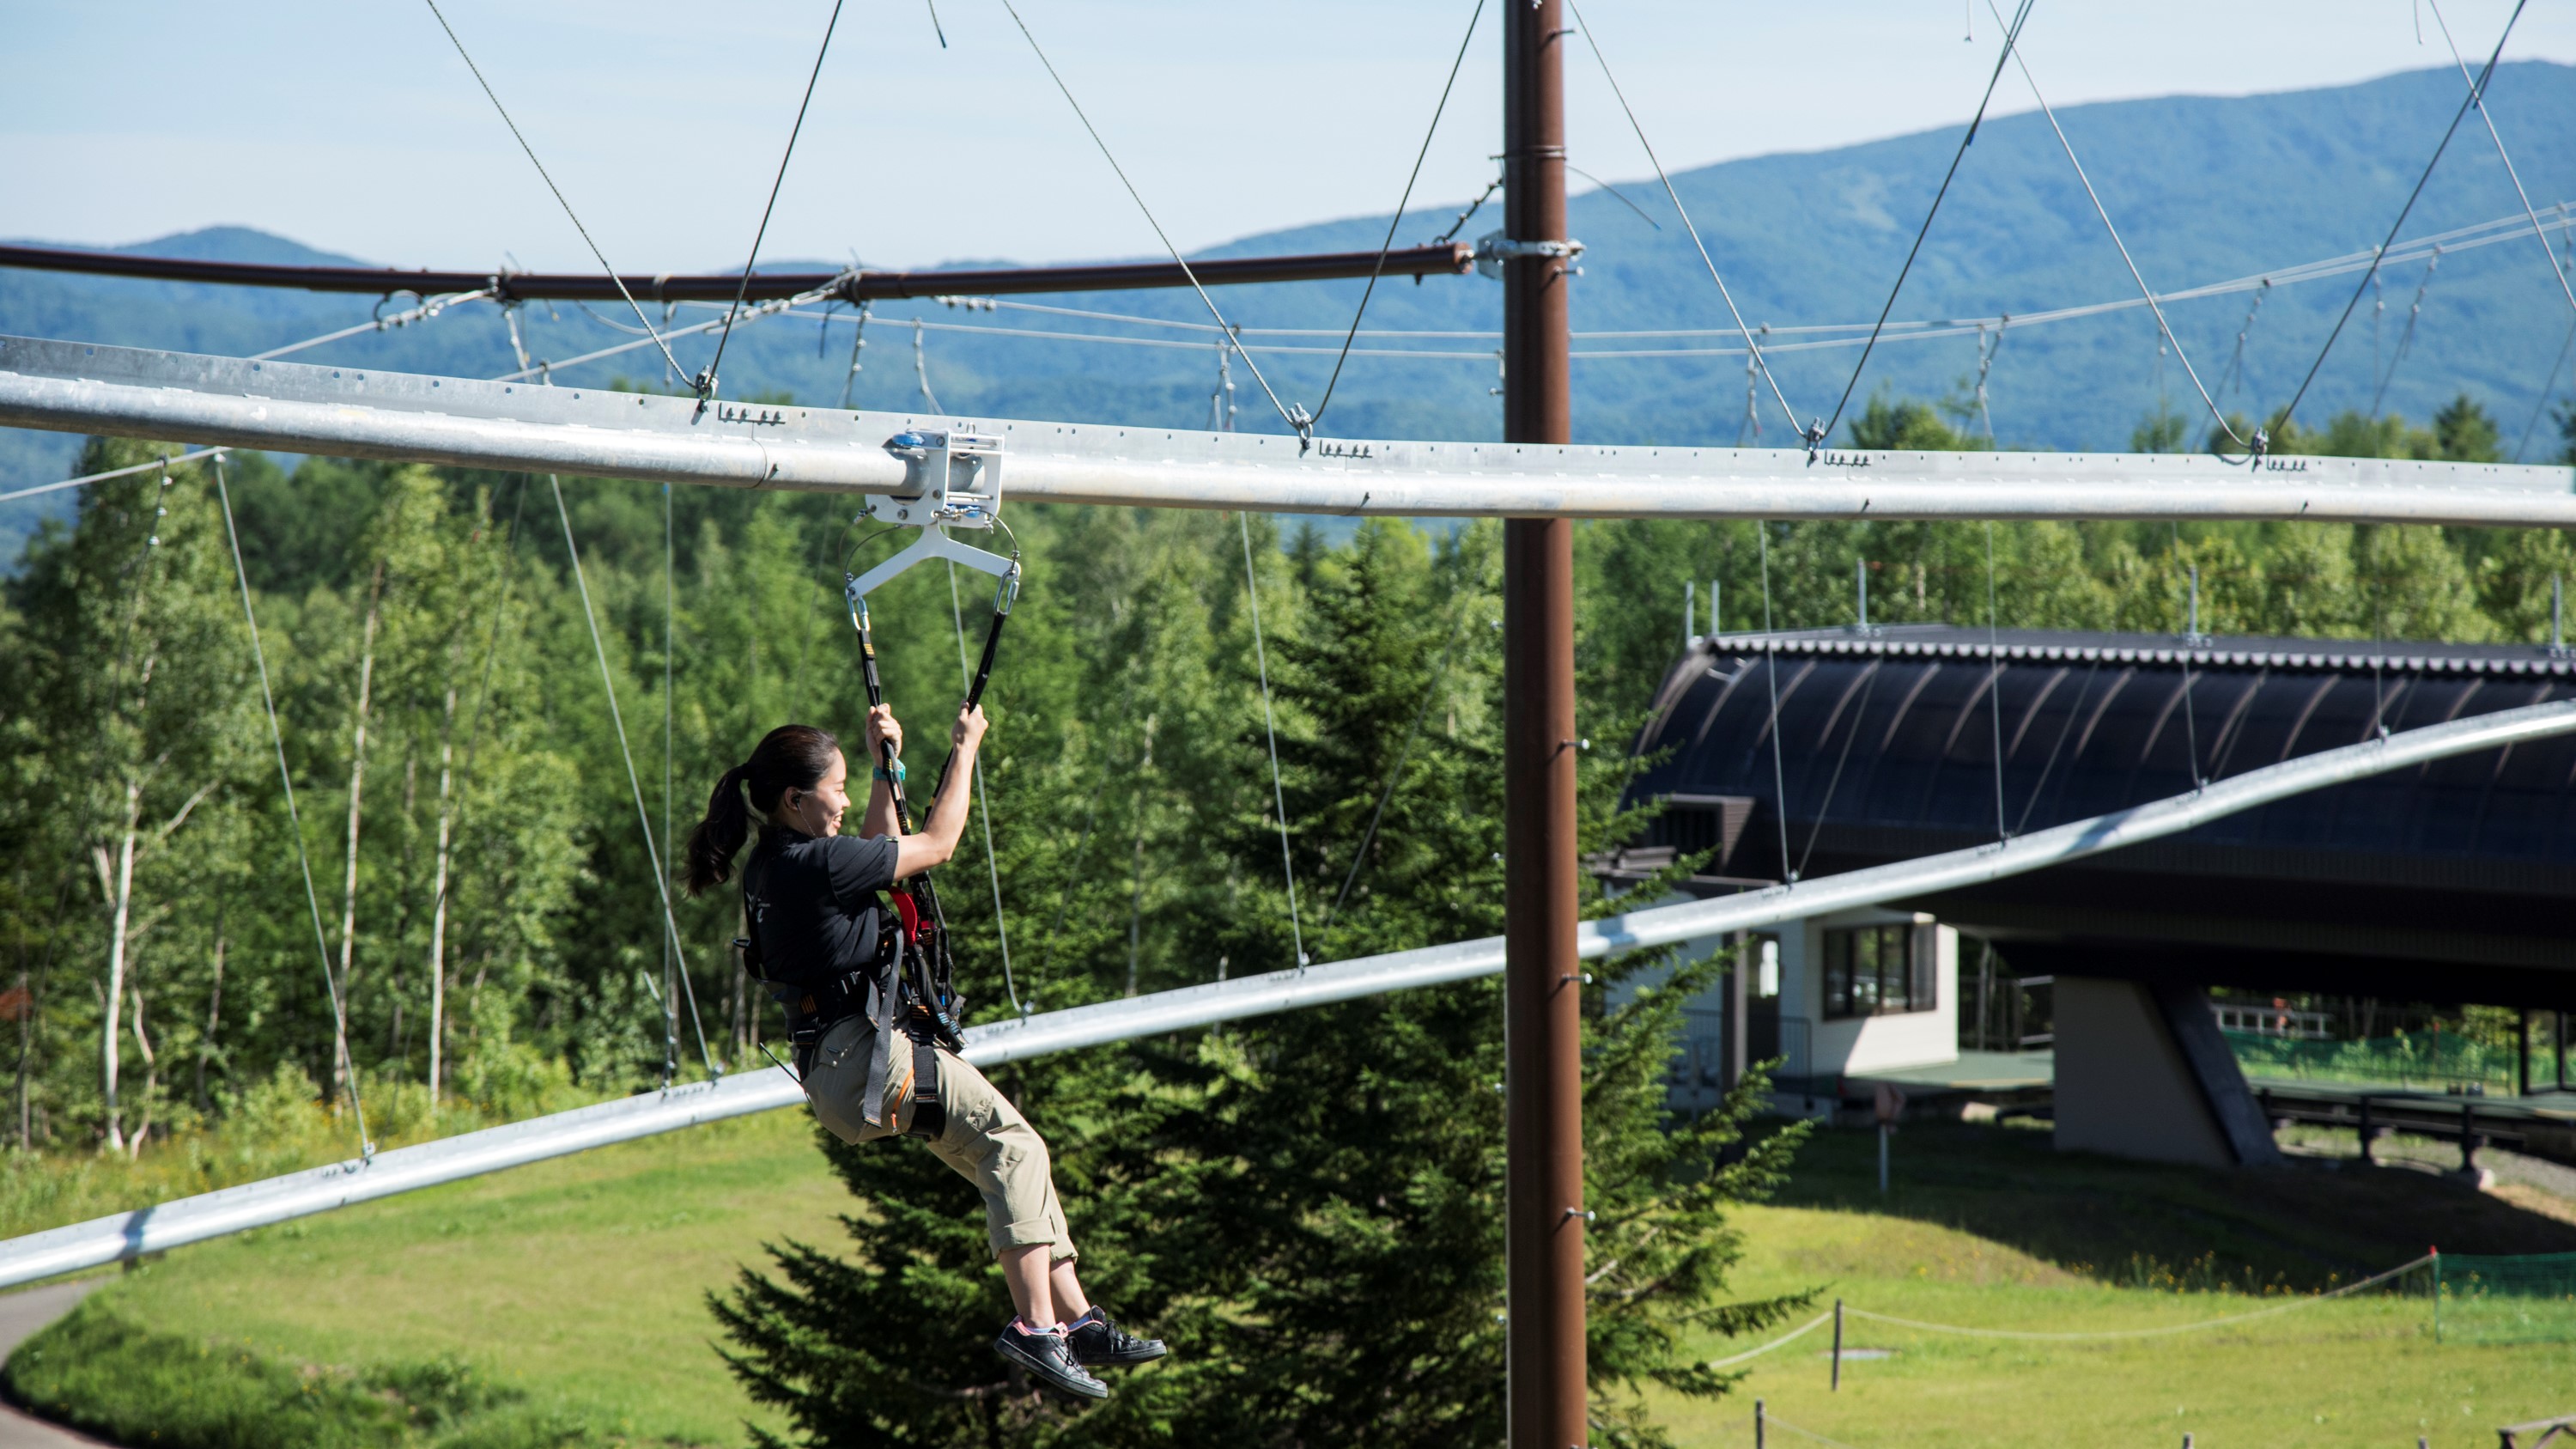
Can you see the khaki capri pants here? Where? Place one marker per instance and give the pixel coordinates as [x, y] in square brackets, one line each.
[986, 1140]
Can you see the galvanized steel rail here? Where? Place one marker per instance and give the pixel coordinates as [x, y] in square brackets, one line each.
[355, 412]
[259, 1204]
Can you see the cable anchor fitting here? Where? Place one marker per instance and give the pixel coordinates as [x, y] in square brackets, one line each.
[1493, 249]
[1304, 422]
[1814, 435]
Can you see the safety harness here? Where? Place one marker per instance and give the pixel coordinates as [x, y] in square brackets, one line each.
[909, 987]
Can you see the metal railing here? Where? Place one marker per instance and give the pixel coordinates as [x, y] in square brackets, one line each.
[350, 412]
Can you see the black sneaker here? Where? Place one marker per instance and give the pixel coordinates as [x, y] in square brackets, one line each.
[1048, 1358]
[1094, 1339]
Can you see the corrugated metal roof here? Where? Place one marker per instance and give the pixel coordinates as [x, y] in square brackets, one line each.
[1896, 733]
[1948, 641]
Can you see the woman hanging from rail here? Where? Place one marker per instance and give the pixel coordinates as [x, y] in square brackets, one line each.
[824, 940]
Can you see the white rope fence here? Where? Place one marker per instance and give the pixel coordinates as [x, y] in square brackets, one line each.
[2094, 1335]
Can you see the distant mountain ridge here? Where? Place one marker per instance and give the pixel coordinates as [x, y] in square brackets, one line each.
[2202, 188]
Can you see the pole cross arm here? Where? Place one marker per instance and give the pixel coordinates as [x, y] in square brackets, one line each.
[853, 285]
[514, 426]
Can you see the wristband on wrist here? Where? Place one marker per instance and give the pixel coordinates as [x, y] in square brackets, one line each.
[894, 776]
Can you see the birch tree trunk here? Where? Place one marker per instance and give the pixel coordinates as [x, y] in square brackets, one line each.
[438, 897]
[121, 892]
[151, 1078]
[214, 1013]
[341, 1066]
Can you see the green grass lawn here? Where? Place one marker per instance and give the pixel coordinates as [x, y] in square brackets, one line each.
[580, 1283]
[1990, 1228]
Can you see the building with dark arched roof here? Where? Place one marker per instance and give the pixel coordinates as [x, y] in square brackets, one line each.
[1828, 750]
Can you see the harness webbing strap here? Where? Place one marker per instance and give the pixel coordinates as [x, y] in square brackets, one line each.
[934, 968]
[929, 1112]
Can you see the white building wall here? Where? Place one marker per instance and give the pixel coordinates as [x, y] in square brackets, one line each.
[1861, 1046]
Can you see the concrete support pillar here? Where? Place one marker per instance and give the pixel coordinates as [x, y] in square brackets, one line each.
[2143, 1072]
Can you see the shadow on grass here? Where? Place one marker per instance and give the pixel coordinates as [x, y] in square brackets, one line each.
[2298, 1228]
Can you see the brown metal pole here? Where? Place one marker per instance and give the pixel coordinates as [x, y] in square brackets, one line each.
[1543, 986]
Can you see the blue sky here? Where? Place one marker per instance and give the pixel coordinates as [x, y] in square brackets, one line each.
[354, 127]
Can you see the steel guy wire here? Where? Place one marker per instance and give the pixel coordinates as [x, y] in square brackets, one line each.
[2478, 95]
[2022, 62]
[1751, 347]
[1395, 776]
[921, 368]
[2459, 239]
[2236, 365]
[983, 802]
[671, 609]
[531, 151]
[2541, 404]
[2477, 89]
[1473, 207]
[294, 821]
[429, 307]
[2456, 239]
[1995, 684]
[611, 323]
[1985, 364]
[2083, 693]
[617, 718]
[422, 313]
[491, 656]
[2405, 339]
[707, 380]
[765, 309]
[1270, 726]
[126, 472]
[1771, 659]
[1615, 194]
[2193, 634]
[111, 681]
[1388, 241]
[2012, 37]
[1869, 689]
[858, 344]
[1297, 420]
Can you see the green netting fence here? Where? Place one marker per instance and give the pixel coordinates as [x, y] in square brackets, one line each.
[2406, 1059]
[2528, 1298]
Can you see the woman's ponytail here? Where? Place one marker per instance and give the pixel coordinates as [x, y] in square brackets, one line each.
[790, 757]
[715, 840]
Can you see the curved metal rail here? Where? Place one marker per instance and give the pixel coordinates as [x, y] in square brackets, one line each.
[404, 1169]
[516, 426]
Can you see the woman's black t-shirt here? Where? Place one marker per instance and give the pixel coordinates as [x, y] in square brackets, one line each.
[818, 908]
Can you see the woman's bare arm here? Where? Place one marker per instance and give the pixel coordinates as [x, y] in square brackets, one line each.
[939, 835]
[878, 818]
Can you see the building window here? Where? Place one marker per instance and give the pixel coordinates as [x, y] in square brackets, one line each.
[1876, 971]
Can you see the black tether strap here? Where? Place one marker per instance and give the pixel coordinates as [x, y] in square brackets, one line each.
[929, 1113]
